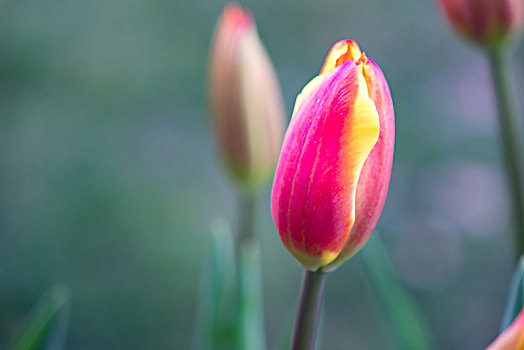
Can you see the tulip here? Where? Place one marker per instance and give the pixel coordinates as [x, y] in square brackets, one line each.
[333, 173]
[245, 99]
[512, 338]
[487, 22]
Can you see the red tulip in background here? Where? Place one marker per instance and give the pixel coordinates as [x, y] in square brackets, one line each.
[245, 99]
[334, 168]
[487, 22]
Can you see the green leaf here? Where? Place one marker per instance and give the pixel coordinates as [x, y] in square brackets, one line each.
[47, 325]
[405, 317]
[251, 330]
[287, 336]
[515, 300]
[216, 311]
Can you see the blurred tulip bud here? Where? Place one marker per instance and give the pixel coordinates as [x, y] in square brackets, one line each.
[486, 22]
[512, 338]
[333, 174]
[245, 99]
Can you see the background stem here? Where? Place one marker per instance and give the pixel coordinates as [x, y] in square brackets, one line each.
[511, 140]
[306, 323]
[246, 218]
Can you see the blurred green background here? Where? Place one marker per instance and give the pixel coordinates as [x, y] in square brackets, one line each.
[109, 181]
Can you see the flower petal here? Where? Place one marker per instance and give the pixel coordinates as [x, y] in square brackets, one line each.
[334, 127]
[341, 52]
[512, 338]
[374, 179]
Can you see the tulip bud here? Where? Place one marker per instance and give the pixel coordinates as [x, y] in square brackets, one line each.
[512, 338]
[245, 99]
[486, 22]
[333, 173]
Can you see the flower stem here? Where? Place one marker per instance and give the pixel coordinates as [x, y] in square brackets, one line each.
[306, 323]
[511, 139]
[246, 218]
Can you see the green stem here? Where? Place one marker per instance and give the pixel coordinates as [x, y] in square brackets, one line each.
[246, 218]
[511, 140]
[306, 323]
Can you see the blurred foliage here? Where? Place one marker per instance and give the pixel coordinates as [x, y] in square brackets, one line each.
[230, 314]
[406, 322]
[216, 326]
[108, 178]
[47, 325]
[251, 330]
[515, 301]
